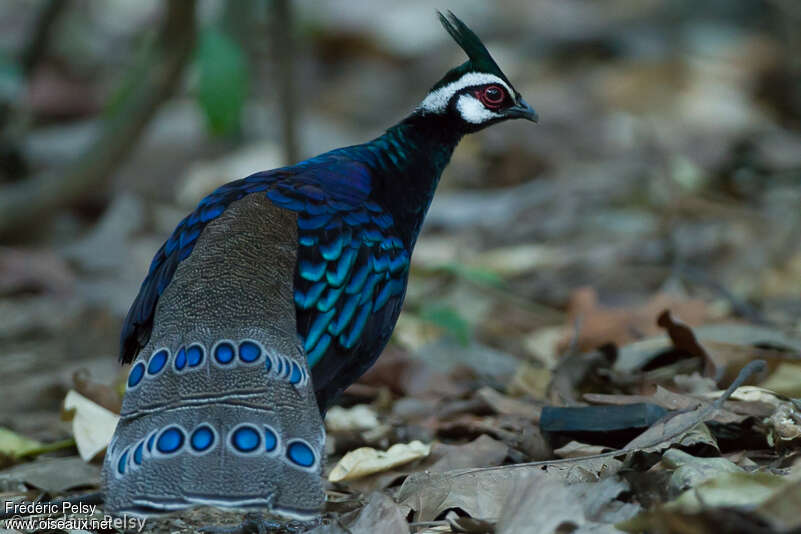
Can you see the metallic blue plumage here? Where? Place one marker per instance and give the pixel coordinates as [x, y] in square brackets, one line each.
[311, 271]
[352, 255]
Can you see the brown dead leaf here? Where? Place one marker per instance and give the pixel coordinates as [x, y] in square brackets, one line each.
[55, 475]
[381, 514]
[540, 505]
[479, 494]
[482, 493]
[519, 433]
[101, 394]
[600, 325]
[683, 339]
[504, 405]
[723, 359]
[481, 452]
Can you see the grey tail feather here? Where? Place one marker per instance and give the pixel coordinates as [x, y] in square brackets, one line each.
[220, 409]
[243, 434]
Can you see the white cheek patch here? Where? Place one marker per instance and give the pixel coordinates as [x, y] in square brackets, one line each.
[437, 100]
[473, 111]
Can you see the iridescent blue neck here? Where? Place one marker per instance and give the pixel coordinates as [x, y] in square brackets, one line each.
[408, 161]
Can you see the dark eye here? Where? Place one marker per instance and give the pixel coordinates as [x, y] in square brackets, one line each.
[493, 95]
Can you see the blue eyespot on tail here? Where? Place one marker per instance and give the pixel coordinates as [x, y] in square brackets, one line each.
[170, 441]
[245, 439]
[137, 372]
[224, 352]
[270, 440]
[194, 355]
[300, 453]
[180, 359]
[202, 438]
[157, 362]
[123, 461]
[249, 351]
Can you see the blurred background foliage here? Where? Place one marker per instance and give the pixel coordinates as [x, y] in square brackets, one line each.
[667, 162]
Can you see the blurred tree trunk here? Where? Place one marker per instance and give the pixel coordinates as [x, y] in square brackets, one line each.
[284, 52]
[40, 196]
[13, 120]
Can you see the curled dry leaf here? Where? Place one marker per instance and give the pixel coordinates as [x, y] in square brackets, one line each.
[92, 425]
[785, 425]
[575, 449]
[359, 417]
[752, 394]
[366, 460]
[689, 471]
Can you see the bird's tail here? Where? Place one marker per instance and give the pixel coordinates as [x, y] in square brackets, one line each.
[217, 420]
[220, 409]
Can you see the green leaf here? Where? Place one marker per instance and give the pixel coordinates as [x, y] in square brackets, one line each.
[476, 275]
[138, 68]
[222, 80]
[10, 78]
[15, 445]
[449, 320]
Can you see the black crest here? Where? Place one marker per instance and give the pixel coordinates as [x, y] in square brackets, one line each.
[480, 58]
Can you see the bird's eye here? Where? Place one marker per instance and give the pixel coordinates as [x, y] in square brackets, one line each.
[493, 95]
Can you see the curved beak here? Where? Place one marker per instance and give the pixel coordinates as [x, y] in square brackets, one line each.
[521, 110]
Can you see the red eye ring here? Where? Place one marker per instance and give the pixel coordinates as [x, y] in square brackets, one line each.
[492, 96]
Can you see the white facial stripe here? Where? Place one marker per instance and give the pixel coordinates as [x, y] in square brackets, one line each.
[473, 111]
[437, 101]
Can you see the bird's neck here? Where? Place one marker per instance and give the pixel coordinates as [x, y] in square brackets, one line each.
[408, 161]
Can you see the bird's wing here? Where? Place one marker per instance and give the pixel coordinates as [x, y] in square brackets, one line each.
[349, 283]
[350, 276]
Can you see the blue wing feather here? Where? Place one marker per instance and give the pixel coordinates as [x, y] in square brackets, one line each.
[351, 268]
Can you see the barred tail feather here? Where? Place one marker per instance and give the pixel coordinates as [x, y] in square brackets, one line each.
[219, 408]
